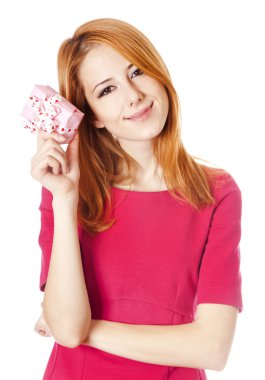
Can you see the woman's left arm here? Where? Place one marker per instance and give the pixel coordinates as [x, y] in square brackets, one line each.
[204, 343]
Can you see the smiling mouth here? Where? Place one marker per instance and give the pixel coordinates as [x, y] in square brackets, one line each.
[142, 115]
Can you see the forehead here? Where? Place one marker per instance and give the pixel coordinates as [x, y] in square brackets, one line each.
[102, 60]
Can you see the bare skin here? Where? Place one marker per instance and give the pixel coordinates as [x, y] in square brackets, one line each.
[41, 327]
[127, 92]
[206, 342]
[66, 307]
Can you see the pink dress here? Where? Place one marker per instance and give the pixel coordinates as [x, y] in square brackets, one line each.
[153, 266]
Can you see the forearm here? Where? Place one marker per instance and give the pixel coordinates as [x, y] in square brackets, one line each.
[184, 345]
[66, 305]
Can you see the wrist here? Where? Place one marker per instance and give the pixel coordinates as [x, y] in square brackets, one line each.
[69, 200]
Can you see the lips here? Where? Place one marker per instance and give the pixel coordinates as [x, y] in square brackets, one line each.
[140, 113]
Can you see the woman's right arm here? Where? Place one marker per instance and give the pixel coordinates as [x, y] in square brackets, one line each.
[66, 305]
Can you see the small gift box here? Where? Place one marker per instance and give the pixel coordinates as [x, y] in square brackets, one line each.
[49, 111]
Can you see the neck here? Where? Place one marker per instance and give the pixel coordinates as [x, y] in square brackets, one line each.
[149, 176]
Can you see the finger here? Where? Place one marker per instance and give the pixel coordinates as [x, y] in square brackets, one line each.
[48, 144]
[72, 151]
[43, 166]
[42, 328]
[53, 165]
[43, 136]
[43, 332]
[53, 159]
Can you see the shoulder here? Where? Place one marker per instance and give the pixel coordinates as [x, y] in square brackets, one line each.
[227, 195]
[224, 185]
[221, 182]
[224, 189]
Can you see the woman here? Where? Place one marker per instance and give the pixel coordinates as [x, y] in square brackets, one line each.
[140, 242]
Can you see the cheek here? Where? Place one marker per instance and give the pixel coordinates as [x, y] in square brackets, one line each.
[154, 88]
[163, 95]
[104, 109]
[165, 99]
[111, 109]
[149, 86]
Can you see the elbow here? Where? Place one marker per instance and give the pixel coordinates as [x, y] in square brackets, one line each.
[68, 342]
[73, 340]
[219, 358]
[70, 337]
[219, 365]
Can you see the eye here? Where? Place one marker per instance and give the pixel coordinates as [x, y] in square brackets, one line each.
[105, 92]
[137, 72]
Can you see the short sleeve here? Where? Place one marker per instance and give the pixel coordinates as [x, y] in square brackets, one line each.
[45, 235]
[219, 274]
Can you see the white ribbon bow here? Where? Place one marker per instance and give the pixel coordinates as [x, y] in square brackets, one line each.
[45, 113]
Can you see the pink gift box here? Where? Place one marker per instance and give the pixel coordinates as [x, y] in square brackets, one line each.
[49, 111]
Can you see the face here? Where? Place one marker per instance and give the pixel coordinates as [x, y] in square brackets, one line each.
[128, 103]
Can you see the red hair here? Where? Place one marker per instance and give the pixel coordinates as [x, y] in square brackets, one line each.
[100, 156]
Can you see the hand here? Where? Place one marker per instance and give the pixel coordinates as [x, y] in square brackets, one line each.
[57, 170]
[41, 327]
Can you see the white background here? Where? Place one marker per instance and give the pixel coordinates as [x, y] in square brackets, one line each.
[215, 53]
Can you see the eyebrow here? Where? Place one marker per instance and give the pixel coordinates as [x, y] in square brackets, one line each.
[107, 80]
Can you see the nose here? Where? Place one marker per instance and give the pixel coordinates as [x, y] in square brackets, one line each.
[134, 95]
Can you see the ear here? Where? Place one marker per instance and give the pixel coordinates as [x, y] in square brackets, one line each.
[98, 124]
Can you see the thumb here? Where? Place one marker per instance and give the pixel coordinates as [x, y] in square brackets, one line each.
[72, 151]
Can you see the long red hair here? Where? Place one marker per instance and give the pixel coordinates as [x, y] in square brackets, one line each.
[100, 156]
